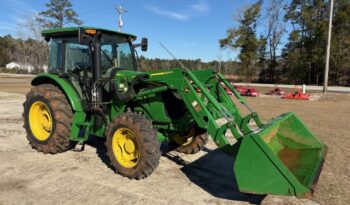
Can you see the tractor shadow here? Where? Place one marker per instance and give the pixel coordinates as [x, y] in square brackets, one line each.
[213, 172]
[101, 150]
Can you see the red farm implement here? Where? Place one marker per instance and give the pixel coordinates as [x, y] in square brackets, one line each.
[246, 91]
[276, 91]
[296, 94]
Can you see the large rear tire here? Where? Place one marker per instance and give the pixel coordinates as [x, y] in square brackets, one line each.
[47, 119]
[132, 146]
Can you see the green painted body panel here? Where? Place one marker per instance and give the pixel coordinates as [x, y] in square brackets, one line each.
[79, 122]
[154, 108]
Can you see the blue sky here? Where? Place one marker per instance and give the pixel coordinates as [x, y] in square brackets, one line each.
[190, 29]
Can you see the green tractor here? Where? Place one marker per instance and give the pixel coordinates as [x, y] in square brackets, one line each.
[94, 88]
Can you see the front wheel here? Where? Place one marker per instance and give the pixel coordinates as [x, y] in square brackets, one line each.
[132, 146]
[191, 142]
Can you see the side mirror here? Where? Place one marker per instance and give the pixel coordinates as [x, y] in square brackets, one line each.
[144, 44]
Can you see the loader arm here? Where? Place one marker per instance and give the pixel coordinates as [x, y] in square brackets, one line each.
[279, 157]
[209, 104]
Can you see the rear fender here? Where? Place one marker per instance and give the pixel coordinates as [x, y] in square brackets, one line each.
[68, 90]
[73, 98]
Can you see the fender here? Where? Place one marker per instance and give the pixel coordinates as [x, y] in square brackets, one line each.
[73, 98]
[68, 90]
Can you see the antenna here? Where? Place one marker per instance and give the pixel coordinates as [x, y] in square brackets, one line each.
[120, 11]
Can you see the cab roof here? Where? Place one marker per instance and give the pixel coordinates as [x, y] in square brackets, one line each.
[73, 31]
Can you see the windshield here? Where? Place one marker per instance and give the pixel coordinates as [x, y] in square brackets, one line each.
[116, 52]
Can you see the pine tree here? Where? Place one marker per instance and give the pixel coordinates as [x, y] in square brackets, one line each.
[340, 50]
[244, 37]
[6, 50]
[58, 14]
[307, 46]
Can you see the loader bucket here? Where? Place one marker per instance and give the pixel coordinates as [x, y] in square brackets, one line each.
[282, 158]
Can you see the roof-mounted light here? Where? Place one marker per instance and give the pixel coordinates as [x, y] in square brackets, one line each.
[90, 31]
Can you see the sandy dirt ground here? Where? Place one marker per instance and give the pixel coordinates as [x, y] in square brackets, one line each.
[29, 177]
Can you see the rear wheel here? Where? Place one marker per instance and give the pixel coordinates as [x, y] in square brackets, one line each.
[47, 119]
[190, 143]
[132, 146]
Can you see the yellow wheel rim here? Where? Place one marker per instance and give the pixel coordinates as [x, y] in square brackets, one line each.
[184, 140]
[40, 120]
[125, 147]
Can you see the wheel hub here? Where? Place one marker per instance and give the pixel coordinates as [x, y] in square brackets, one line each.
[125, 147]
[40, 120]
[184, 140]
[129, 146]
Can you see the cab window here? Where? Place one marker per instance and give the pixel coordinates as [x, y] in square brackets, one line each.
[66, 55]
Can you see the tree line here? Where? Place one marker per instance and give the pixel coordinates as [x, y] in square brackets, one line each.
[25, 51]
[226, 67]
[302, 58]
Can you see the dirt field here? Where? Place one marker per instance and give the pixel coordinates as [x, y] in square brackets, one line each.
[29, 177]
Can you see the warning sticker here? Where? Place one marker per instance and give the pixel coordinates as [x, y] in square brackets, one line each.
[196, 106]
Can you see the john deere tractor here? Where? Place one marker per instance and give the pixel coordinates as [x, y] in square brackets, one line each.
[93, 88]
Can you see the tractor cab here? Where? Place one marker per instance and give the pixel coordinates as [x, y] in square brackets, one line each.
[84, 55]
[75, 49]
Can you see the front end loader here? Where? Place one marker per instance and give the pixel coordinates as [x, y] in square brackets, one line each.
[94, 89]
